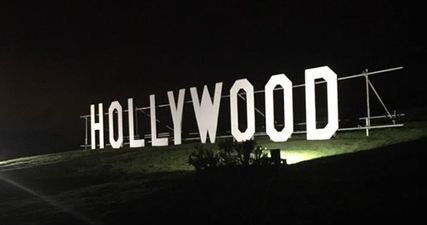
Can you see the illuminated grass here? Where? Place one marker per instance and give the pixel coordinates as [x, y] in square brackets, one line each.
[174, 158]
[297, 149]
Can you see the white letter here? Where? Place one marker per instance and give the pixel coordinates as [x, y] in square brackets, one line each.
[115, 106]
[176, 112]
[206, 111]
[154, 140]
[97, 126]
[310, 103]
[282, 81]
[250, 110]
[133, 143]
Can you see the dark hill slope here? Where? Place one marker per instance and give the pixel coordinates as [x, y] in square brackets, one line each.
[384, 185]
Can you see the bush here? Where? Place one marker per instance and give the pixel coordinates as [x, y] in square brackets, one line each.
[204, 157]
[229, 154]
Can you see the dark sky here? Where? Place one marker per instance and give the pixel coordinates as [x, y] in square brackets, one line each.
[57, 58]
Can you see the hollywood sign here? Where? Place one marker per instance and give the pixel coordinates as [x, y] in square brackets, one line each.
[206, 110]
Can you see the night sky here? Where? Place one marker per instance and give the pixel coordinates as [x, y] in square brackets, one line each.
[57, 58]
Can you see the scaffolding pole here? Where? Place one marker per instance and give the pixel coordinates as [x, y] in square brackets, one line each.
[368, 108]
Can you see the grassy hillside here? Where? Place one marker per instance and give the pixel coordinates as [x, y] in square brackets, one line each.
[174, 158]
[156, 185]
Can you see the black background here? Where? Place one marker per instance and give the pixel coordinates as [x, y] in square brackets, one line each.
[57, 58]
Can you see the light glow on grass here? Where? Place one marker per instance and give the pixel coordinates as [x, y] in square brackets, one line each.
[293, 157]
[298, 149]
[296, 156]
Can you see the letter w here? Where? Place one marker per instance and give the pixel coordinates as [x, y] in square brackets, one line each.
[207, 111]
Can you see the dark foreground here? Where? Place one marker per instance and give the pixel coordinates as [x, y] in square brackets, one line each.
[383, 185]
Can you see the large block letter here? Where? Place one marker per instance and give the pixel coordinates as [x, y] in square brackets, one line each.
[97, 126]
[176, 112]
[282, 81]
[310, 100]
[207, 111]
[154, 140]
[250, 110]
[133, 143]
[115, 106]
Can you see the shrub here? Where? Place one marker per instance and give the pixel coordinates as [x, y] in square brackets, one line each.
[204, 157]
[229, 154]
[244, 150]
